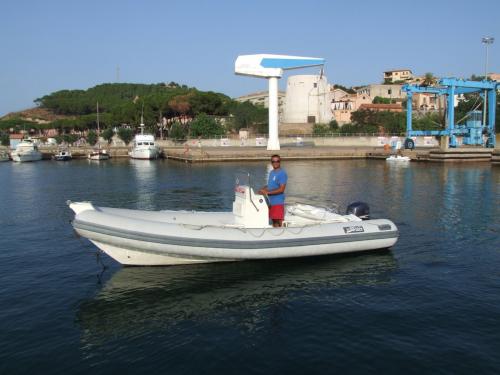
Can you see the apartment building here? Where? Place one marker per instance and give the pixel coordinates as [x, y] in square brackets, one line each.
[397, 75]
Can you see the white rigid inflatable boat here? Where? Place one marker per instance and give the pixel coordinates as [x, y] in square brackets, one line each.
[147, 238]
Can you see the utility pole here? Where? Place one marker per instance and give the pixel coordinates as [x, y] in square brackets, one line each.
[487, 40]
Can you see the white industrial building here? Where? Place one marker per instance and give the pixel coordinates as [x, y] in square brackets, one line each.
[307, 100]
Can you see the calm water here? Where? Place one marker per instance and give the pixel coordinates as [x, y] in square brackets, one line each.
[430, 305]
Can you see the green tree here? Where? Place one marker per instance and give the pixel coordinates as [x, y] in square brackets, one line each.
[92, 137]
[4, 139]
[70, 138]
[205, 126]
[246, 115]
[429, 80]
[177, 131]
[107, 134]
[367, 121]
[126, 135]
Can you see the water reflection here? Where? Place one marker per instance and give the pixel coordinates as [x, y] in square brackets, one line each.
[137, 301]
[145, 172]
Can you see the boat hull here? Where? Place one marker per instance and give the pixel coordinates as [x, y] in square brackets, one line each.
[27, 157]
[154, 240]
[144, 154]
[62, 158]
[98, 157]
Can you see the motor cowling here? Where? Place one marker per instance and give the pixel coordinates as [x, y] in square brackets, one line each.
[360, 209]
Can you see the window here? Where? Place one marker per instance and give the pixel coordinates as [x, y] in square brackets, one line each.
[315, 84]
[389, 92]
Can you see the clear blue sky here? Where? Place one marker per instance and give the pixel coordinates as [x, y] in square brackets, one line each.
[63, 44]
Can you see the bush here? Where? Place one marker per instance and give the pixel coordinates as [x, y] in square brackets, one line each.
[380, 100]
[126, 135]
[320, 129]
[334, 125]
[205, 126]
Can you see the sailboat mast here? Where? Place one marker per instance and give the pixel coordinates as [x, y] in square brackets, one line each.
[98, 129]
[142, 119]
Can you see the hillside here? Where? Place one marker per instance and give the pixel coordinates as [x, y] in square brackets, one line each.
[36, 114]
[125, 103]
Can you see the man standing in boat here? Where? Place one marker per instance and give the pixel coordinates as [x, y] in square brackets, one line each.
[275, 190]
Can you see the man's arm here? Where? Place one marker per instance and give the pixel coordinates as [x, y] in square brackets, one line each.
[279, 190]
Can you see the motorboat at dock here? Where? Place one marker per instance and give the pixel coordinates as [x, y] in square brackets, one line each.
[25, 151]
[137, 237]
[63, 155]
[144, 146]
[98, 154]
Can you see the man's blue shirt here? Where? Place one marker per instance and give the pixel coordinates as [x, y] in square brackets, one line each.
[276, 179]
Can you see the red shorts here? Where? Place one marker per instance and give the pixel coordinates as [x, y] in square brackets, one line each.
[277, 212]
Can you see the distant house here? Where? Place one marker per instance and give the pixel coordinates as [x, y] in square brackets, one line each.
[15, 139]
[397, 75]
[423, 101]
[381, 107]
[394, 92]
[494, 76]
[343, 104]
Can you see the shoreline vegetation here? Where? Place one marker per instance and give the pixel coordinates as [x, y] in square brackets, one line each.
[179, 112]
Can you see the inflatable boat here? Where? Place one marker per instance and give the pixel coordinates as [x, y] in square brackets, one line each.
[147, 238]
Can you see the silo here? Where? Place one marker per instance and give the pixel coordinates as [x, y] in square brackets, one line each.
[307, 100]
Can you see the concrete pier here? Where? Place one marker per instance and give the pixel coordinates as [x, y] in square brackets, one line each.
[202, 154]
[495, 157]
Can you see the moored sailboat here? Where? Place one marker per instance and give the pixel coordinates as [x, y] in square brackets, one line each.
[98, 154]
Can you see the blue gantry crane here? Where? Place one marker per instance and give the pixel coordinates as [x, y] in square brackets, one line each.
[474, 132]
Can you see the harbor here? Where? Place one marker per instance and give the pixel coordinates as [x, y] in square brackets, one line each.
[256, 188]
[440, 272]
[204, 154]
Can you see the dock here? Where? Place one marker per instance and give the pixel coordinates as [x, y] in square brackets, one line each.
[218, 154]
[309, 152]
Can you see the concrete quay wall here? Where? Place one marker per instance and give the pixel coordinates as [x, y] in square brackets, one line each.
[336, 141]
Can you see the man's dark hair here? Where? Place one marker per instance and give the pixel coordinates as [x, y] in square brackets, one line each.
[276, 156]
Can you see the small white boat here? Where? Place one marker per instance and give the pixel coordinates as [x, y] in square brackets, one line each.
[25, 151]
[144, 146]
[63, 155]
[397, 158]
[98, 155]
[134, 237]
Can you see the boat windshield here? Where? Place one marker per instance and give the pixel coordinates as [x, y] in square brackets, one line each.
[242, 179]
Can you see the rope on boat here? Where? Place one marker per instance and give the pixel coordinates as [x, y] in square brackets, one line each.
[244, 230]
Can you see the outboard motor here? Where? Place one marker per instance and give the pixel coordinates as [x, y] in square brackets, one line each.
[360, 209]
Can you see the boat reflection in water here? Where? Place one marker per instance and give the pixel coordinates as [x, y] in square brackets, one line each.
[141, 301]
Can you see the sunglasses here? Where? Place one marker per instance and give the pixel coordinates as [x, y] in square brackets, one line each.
[275, 161]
